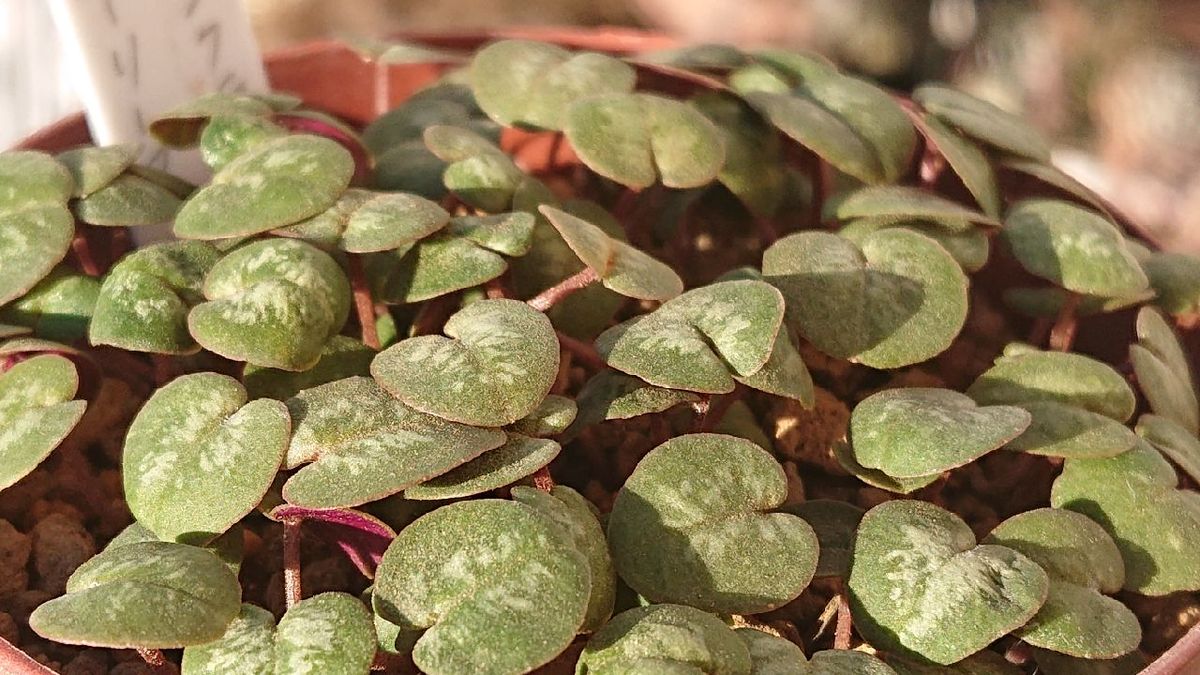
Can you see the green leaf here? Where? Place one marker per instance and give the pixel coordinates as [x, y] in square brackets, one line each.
[327, 633]
[59, 307]
[496, 366]
[1164, 371]
[1177, 443]
[981, 663]
[916, 306]
[670, 639]
[1074, 248]
[94, 167]
[227, 137]
[33, 179]
[1175, 278]
[610, 395]
[36, 413]
[639, 139]
[181, 127]
[968, 247]
[824, 133]
[921, 587]
[33, 240]
[552, 416]
[520, 456]
[275, 184]
[1053, 663]
[435, 266]
[531, 84]
[693, 525]
[899, 203]
[118, 598]
[620, 267]
[700, 340]
[847, 662]
[229, 547]
[754, 170]
[145, 299]
[983, 121]
[364, 445]
[497, 571]
[507, 233]
[967, 161]
[341, 357]
[913, 432]
[1078, 404]
[1133, 496]
[198, 457]
[478, 171]
[844, 455]
[362, 221]
[272, 302]
[1048, 301]
[784, 373]
[576, 517]
[835, 524]
[1084, 565]
[772, 655]
[128, 201]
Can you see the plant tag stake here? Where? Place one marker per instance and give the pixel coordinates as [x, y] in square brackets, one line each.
[135, 59]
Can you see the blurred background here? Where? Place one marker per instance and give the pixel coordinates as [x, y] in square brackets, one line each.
[1115, 83]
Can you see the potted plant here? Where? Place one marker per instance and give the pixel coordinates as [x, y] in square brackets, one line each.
[690, 360]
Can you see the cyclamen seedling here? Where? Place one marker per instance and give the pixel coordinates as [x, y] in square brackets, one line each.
[532, 398]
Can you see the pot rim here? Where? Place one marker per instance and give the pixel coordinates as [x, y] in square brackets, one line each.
[1183, 658]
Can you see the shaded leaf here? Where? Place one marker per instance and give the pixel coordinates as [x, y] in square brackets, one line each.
[520, 456]
[341, 357]
[835, 524]
[1177, 443]
[968, 247]
[844, 454]
[673, 639]
[1175, 278]
[754, 170]
[497, 571]
[362, 221]
[181, 127]
[94, 167]
[967, 161]
[693, 524]
[1164, 371]
[899, 202]
[58, 308]
[610, 395]
[116, 599]
[916, 307]
[982, 120]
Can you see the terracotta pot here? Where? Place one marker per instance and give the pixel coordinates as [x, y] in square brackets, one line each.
[331, 77]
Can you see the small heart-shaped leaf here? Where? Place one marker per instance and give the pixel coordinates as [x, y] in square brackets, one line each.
[362, 221]
[36, 413]
[1073, 247]
[145, 299]
[327, 633]
[33, 240]
[670, 639]
[1083, 565]
[921, 587]
[478, 171]
[916, 307]
[844, 455]
[181, 127]
[117, 599]
[33, 179]
[693, 524]
[496, 366]
[497, 571]
[552, 416]
[364, 445]
[912, 432]
[638, 139]
[620, 267]
[898, 202]
[1164, 371]
[700, 340]
[229, 547]
[577, 518]
[94, 167]
[128, 201]
[520, 456]
[275, 184]
[507, 233]
[983, 121]
[835, 524]
[272, 302]
[198, 457]
[1175, 278]
[1134, 497]
[524, 83]
[59, 307]
[610, 395]
[341, 357]
[1056, 178]
[754, 170]
[772, 655]
[1078, 404]
[968, 247]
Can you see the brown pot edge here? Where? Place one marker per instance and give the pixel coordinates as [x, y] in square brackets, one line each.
[1180, 659]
